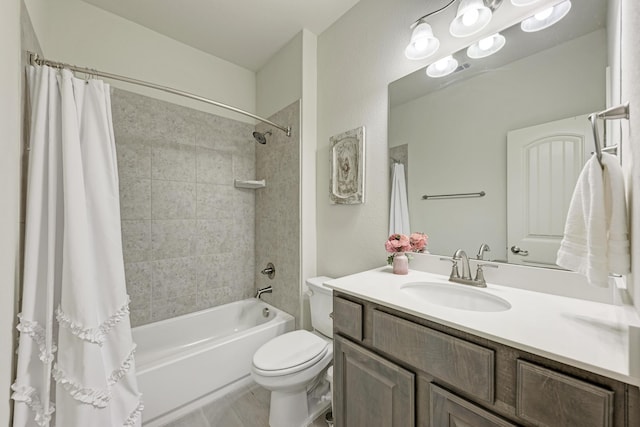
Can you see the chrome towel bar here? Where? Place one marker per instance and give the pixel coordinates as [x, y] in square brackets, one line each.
[613, 113]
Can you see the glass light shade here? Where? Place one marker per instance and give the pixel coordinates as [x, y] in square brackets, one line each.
[472, 16]
[487, 46]
[523, 2]
[443, 67]
[546, 18]
[423, 43]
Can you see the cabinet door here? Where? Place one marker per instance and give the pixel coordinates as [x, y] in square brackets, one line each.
[369, 390]
[449, 410]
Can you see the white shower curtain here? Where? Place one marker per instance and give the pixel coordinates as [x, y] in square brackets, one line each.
[75, 354]
[399, 208]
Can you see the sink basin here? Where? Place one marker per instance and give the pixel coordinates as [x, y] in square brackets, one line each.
[455, 296]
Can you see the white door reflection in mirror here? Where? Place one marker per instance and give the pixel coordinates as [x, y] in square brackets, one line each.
[543, 164]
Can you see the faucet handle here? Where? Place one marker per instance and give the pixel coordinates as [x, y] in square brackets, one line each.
[480, 273]
[454, 266]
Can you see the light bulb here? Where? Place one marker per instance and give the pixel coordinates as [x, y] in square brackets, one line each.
[443, 67]
[541, 16]
[486, 43]
[442, 64]
[470, 17]
[546, 18]
[423, 44]
[486, 46]
[420, 44]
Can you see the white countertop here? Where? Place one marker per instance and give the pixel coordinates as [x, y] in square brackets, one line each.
[590, 335]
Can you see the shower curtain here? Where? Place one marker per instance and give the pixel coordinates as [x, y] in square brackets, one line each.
[75, 355]
[399, 207]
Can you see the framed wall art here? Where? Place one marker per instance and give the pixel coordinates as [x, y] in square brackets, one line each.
[346, 162]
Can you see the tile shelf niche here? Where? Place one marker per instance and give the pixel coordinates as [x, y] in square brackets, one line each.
[240, 183]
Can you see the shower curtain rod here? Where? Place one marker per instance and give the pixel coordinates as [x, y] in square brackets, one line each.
[35, 59]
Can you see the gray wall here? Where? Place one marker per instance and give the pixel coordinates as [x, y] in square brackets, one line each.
[278, 212]
[188, 234]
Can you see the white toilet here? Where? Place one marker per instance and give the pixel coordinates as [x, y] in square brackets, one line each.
[293, 365]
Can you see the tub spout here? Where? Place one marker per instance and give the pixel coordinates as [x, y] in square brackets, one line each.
[266, 290]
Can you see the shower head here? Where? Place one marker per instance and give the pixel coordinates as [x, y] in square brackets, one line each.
[261, 137]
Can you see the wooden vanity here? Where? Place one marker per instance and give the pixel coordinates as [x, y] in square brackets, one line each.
[397, 369]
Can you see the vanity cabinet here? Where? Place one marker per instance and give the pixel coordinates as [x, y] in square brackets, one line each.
[395, 369]
[373, 391]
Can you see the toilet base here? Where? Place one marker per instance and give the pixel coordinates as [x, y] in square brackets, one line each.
[298, 409]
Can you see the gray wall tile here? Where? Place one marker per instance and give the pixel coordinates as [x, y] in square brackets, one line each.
[189, 236]
[214, 236]
[173, 238]
[174, 162]
[134, 160]
[277, 207]
[173, 278]
[214, 166]
[173, 200]
[136, 240]
[215, 202]
[135, 198]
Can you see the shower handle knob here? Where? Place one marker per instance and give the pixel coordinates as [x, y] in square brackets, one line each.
[269, 271]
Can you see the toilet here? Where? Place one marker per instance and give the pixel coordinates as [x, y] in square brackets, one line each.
[293, 365]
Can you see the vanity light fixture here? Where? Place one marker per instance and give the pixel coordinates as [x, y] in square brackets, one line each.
[442, 67]
[423, 43]
[486, 46]
[546, 18]
[471, 18]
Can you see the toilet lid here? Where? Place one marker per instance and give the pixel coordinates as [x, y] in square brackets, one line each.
[289, 353]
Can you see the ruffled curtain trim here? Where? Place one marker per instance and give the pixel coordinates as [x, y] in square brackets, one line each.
[94, 335]
[97, 397]
[133, 417]
[32, 329]
[93, 396]
[29, 396]
[117, 374]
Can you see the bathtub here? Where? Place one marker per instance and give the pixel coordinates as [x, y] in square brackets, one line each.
[184, 359]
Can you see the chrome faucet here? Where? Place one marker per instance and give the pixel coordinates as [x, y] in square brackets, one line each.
[483, 248]
[266, 290]
[464, 276]
[461, 255]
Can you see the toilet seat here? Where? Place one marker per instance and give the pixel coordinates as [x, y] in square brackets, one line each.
[289, 353]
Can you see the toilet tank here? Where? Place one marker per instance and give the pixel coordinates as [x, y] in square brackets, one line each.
[321, 303]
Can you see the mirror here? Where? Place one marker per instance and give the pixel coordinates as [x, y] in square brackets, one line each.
[452, 132]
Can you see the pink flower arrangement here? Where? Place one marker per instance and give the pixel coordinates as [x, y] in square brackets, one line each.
[418, 241]
[397, 243]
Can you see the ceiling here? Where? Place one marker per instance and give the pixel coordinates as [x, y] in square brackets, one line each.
[244, 32]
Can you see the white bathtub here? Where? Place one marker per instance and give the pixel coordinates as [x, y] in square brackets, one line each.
[183, 359]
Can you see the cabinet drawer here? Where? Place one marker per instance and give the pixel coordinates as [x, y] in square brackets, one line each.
[347, 318]
[447, 409]
[461, 364]
[548, 398]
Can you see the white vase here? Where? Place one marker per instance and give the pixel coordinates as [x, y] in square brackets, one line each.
[400, 263]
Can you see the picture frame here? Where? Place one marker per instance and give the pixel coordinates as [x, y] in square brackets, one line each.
[347, 167]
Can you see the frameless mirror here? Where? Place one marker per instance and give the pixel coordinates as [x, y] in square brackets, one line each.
[512, 126]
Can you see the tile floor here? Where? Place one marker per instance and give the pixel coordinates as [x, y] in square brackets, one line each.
[246, 407]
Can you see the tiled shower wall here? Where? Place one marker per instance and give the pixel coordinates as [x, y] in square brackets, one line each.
[278, 211]
[188, 234]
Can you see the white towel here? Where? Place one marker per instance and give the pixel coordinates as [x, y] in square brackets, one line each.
[399, 208]
[596, 240]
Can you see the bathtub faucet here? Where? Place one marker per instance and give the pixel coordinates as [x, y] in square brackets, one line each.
[266, 290]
